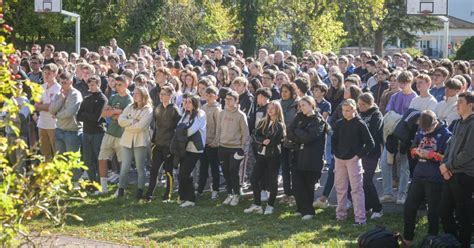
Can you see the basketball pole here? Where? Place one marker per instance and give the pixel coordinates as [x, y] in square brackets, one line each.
[78, 28]
[445, 21]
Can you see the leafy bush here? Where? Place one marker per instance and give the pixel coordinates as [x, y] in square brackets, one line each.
[466, 51]
[40, 189]
[414, 52]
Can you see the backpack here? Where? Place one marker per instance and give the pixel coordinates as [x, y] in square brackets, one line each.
[379, 237]
[442, 241]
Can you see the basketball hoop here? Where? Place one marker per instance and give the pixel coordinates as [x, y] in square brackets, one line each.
[48, 6]
[426, 12]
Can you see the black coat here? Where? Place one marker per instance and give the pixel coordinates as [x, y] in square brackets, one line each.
[309, 135]
[373, 118]
[90, 113]
[274, 134]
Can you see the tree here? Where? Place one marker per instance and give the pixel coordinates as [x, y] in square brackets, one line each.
[42, 188]
[251, 11]
[398, 25]
[466, 51]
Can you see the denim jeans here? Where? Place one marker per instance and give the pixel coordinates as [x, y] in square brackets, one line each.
[140, 154]
[328, 148]
[68, 141]
[91, 148]
[402, 160]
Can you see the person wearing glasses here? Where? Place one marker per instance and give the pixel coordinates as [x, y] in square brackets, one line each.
[232, 138]
[440, 75]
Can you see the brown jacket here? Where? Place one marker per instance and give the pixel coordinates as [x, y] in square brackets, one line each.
[232, 129]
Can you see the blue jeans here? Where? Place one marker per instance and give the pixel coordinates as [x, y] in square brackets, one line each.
[328, 149]
[402, 161]
[68, 141]
[140, 154]
[91, 148]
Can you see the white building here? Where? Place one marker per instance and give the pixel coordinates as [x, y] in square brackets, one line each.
[461, 27]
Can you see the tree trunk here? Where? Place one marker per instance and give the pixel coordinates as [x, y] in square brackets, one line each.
[378, 46]
[249, 14]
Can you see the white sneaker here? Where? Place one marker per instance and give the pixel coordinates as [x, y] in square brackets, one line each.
[187, 204]
[214, 195]
[297, 214]
[227, 200]
[348, 204]
[402, 197]
[307, 217]
[235, 200]
[376, 215]
[254, 209]
[268, 210]
[98, 192]
[264, 196]
[387, 199]
[320, 203]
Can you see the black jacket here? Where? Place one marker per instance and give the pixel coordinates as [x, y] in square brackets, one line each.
[378, 89]
[350, 138]
[274, 134]
[373, 118]
[246, 102]
[309, 135]
[257, 115]
[406, 129]
[166, 120]
[82, 87]
[90, 113]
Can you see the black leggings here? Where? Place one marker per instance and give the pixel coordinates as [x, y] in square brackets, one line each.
[185, 178]
[230, 169]
[265, 168]
[161, 156]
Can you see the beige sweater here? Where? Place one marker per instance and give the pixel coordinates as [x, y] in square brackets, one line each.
[232, 129]
[212, 117]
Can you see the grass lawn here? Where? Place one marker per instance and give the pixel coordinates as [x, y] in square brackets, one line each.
[210, 223]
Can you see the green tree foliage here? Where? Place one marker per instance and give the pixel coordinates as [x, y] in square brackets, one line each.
[466, 51]
[310, 24]
[45, 188]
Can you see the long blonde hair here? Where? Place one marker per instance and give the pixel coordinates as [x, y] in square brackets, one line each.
[279, 117]
[146, 100]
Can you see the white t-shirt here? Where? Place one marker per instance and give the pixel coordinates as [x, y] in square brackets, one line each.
[423, 103]
[46, 120]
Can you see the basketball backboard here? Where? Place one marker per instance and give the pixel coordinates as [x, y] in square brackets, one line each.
[48, 5]
[427, 7]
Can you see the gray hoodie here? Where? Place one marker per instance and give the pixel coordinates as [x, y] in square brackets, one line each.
[460, 150]
[65, 109]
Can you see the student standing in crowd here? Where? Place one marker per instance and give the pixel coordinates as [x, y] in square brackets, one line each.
[440, 75]
[64, 108]
[351, 141]
[269, 134]
[90, 115]
[446, 109]
[110, 145]
[212, 108]
[425, 101]
[289, 104]
[46, 122]
[428, 147]
[399, 103]
[135, 121]
[308, 132]
[194, 120]
[457, 170]
[232, 137]
[166, 117]
[371, 115]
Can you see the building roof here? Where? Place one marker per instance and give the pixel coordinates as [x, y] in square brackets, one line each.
[457, 23]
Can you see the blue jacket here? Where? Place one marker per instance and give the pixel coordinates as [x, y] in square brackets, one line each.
[437, 141]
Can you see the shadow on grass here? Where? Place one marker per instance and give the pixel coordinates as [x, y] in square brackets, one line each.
[211, 223]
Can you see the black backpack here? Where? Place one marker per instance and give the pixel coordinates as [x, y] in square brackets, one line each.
[442, 241]
[379, 237]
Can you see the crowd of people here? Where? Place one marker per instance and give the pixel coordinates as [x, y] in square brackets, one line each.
[258, 120]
